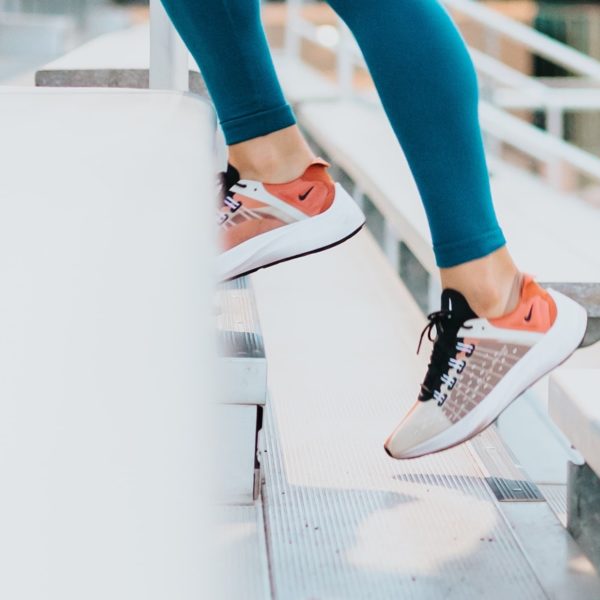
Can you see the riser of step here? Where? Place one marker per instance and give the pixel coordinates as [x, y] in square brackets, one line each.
[243, 392]
[243, 360]
[574, 404]
[238, 471]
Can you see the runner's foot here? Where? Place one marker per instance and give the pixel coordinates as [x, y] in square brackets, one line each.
[262, 224]
[479, 366]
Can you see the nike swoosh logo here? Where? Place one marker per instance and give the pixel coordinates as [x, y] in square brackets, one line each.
[303, 196]
[528, 317]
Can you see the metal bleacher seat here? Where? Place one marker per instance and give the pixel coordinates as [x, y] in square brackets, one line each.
[105, 308]
[575, 407]
[121, 60]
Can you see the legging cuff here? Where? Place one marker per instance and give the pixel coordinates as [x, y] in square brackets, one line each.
[254, 125]
[455, 253]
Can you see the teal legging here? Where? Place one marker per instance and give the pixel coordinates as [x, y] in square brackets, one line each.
[424, 77]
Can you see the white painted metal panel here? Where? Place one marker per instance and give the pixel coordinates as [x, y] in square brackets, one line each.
[236, 428]
[106, 344]
[242, 362]
[575, 407]
[243, 552]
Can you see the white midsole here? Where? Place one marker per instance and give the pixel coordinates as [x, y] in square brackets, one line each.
[339, 221]
[561, 340]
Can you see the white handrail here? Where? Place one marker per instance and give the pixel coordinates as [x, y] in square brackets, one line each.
[547, 98]
[535, 142]
[541, 44]
[501, 73]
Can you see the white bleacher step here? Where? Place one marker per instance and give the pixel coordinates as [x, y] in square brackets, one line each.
[239, 470]
[574, 404]
[343, 519]
[107, 361]
[118, 59]
[243, 393]
[242, 352]
[370, 152]
[575, 407]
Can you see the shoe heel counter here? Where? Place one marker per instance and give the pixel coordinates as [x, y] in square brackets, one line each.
[536, 310]
[318, 172]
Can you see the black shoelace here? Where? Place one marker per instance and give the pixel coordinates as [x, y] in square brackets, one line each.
[446, 326]
[225, 181]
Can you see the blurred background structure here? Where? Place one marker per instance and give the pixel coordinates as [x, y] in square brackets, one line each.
[33, 32]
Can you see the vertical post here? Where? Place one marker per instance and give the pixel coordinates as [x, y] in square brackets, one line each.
[359, 196]
[168, 54]
[559, 174]
[492, 44]
[391, 246]
[345, 64]
[434, 291]
[292, 35]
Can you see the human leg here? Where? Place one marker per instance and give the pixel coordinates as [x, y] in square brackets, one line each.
[497, 331]
[227, 40]
[428, 88]
[278, 200]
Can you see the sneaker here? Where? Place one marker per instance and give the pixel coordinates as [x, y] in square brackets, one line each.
[479, 366]
[262, 224]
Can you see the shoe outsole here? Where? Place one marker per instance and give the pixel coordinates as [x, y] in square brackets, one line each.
[295, 256]
[342, 220]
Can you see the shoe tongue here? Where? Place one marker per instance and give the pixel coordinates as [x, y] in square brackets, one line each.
[232, 176]
[456, 303]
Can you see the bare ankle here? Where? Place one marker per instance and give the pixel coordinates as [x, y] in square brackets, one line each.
[490, 284]
[487, 299]
[276, 158]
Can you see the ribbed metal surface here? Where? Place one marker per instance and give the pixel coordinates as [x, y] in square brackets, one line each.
[556, 496]
[344, 520]
[244, 379]
[514, 490]
[243, 553]
[237, 320]
[508, 480]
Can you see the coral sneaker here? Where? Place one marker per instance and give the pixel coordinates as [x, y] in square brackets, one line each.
[262, 224]
[479, 366]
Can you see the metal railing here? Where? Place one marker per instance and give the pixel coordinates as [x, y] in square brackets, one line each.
[504, 88]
